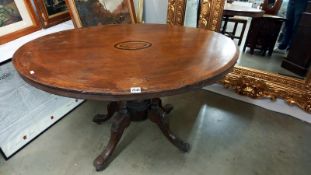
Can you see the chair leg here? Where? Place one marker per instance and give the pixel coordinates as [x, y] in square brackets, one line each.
[242, 34]
[234, 30]
[226, 18]
[244, 48]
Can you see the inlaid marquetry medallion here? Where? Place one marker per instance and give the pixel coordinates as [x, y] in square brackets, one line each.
[132, 45]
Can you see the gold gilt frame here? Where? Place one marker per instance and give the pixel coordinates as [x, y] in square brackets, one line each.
[209, 18]
[176, 12]
[260, 84]
[246, 81]
[211, 14]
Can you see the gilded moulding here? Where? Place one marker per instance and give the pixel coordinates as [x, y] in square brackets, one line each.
[259, 84]
[176, 12]
[211, 14]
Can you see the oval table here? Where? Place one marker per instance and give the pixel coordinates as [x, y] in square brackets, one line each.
[130, 65]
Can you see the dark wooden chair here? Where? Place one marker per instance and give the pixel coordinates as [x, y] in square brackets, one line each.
[236, 20]
[232, 34]
[263, 34]
[264, 31]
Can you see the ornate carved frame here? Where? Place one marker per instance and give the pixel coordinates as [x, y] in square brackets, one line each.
[211, 14]
[176, 12]
[209, 18]
[260, 84]
[246, 81]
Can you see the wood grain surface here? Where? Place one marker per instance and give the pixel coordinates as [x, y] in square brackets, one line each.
[85, 63]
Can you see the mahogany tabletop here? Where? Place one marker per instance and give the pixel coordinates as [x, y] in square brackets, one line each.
[239, 10]
[126, 62]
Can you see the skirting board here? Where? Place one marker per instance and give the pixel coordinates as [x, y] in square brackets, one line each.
[278, 106]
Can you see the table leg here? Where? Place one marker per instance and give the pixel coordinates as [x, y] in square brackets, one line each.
[157, 114]
[167, 108]
[120, 122]
[112, 108]
[125, 112]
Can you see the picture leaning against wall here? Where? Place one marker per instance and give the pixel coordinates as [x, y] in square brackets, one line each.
[8, 13]
[17, 18]
[101, 12]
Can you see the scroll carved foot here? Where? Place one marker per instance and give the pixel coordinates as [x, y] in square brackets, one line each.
[157, 115]
[120, 122]
[112, 108]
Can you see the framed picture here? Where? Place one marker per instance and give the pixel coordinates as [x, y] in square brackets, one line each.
[100, 12]
[17, 18]
[52, 12]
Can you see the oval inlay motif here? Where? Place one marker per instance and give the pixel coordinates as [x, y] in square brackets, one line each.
[132, 45]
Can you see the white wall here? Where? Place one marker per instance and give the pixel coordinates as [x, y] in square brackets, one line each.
[155, 11]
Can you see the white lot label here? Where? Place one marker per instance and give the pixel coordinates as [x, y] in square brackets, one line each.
[135, 90]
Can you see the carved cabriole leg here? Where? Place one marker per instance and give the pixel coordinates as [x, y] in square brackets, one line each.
[112, 108]
[157, 115]
[120, 122]
[167, 108]
[125, 112]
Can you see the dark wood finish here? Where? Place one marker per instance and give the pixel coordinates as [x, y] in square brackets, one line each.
[99, 118]
[299, 56]
[138, 111]
[119, 123]
[90, 67]
[158, 115]
[46, 19]
[112, 108]
[263, 33]
[237, 21]
[105, 62]
[19, 33]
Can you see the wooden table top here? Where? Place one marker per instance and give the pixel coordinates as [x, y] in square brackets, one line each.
[238, 10]
[105, 62]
